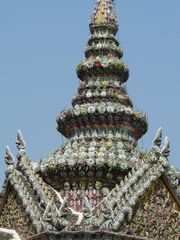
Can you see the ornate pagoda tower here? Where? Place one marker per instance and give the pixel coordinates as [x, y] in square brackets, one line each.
[99, 184]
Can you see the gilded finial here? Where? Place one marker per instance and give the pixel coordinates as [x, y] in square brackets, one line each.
[104, 13]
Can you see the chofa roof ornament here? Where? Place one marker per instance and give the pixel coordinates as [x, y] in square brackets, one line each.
[20, 143]
[166, 148]
[158, 138]
[9, 159]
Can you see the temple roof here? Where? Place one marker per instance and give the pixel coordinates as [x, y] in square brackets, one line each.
[91, 187]
[48, 210]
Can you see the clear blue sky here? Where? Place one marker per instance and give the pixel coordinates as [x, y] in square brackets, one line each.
[41, 42]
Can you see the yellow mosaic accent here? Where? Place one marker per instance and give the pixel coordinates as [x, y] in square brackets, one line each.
[13, 217]
[102, 16]
[157, 215]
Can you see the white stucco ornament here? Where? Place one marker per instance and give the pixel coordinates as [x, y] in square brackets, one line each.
[9, 234]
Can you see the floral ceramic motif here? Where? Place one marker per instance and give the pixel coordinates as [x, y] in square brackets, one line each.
[14, 217]
[157, 215]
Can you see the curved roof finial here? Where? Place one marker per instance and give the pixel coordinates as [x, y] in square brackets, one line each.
[158, 137]
[8, 156]
[166, 148]
[20, 141]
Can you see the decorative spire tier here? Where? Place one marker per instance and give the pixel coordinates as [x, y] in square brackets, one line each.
[102, 127]
[102, 99]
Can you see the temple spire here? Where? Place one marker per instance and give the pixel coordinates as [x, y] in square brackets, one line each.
[102, 105]
[102, 113]
[104, 14]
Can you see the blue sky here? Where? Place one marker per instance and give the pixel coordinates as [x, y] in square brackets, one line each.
[41, 42]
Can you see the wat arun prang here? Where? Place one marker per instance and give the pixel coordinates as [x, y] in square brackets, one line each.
[100, 184]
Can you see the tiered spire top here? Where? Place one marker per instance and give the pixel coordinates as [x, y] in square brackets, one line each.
[104, 13]
[102, 127]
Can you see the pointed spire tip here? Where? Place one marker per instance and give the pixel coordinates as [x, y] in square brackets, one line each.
[104, 14]
[20, 140]
[166, 148]
[158, 137]
[9, 159]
